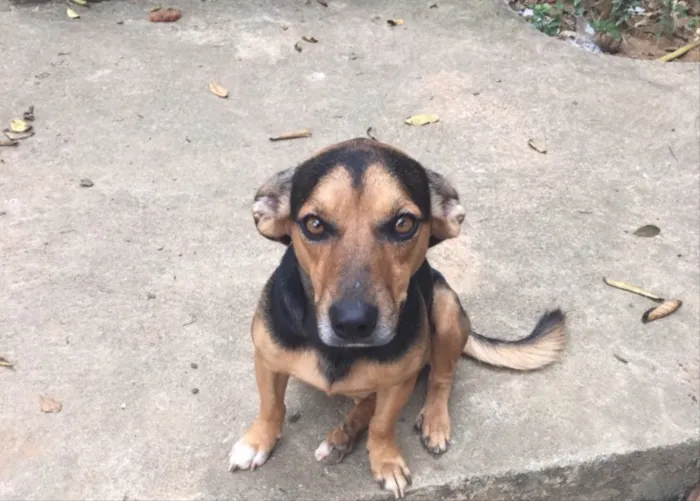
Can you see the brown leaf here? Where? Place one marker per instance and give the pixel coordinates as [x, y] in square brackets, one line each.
[218, 90]
[6, 363]
[647, 231]
[394, 22]
[49, 405]
[29, 114]
[297, 47]
[663, 310]
[166, 15]
[309, 39]
[296, 134]
[8, 142]
[539, 149]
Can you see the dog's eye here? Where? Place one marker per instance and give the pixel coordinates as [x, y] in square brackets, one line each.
[313, 226]
[404, 226]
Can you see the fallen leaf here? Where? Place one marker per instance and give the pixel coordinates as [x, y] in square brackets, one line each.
[648, 230]
[323, 2]
[218, 90]
[18, 125]
[297, 47]
[81, 2]
[167, 15]
[49, 405]
[631, 288]
[422, 119]
[17, 136]
[6, 363]
[663, 310]
[539, 149]
[29, 114]
[72, 14]
[394, 22]
[309, 39]
[296, 134]
[370, 133]
[86, 183]
[8, 142]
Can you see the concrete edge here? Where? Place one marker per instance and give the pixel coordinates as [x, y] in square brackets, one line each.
[658, 474]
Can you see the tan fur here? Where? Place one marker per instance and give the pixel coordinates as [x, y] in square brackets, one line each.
[522, 357]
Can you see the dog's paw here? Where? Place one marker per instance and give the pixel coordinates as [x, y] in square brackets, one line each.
[390, 471]
[434, 429]
[247, 457]
[335, 447]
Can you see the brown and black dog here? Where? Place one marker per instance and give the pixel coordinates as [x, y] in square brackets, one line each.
[355, 309]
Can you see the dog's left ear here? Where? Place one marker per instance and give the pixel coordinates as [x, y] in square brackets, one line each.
[447, 210]
[271, 207]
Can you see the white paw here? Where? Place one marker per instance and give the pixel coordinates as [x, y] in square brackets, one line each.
[323, 451]
[245, 457]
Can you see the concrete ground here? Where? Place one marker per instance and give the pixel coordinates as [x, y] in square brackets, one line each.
[108, 294]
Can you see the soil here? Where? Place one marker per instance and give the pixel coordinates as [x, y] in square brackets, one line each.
[649, 33]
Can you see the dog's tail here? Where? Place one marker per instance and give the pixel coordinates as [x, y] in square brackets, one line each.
[542, 347]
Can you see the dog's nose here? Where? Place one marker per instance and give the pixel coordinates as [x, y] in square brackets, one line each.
[353, 320]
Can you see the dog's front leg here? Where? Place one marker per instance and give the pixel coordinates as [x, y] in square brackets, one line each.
[388, 466]
[253, 449]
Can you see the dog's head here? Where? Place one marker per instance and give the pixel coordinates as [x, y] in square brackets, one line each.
[360, 217]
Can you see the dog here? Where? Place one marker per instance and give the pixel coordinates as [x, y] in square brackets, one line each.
[355, 309]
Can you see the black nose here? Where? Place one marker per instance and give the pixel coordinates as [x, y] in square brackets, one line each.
[353, 320]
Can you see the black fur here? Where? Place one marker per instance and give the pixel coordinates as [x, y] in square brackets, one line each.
[290, 316]
[355, 159]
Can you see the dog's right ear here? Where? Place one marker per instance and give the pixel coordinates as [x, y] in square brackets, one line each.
[271, 207]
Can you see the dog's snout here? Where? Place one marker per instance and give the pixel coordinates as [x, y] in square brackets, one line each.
[353, 320]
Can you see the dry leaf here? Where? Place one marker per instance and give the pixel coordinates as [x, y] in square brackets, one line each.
[297, 47]
[648, 230]
[72, 14]
[631, 288]
[167, 15]
[6, 363]
[81, 2]
[49, 405]
[422, 119]
[29, 114]
[663, 310]
[292, 135]
[309, 39]
[17, 125]
[7, 142]
[370, 133]
[17, 136]
[539, 149]
[394, 22]
[218, 90]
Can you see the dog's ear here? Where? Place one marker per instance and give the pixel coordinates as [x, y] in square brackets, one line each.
[271, 209]
[447, 210]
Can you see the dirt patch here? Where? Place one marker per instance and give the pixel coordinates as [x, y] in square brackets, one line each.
[638, 29]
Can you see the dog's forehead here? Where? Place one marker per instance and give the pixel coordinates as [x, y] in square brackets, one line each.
[358, 165]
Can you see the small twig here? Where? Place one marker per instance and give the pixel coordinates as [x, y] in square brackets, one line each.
[631, 288]
[193, 320]
[679, 52]
[671, 152]
[621, 359]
